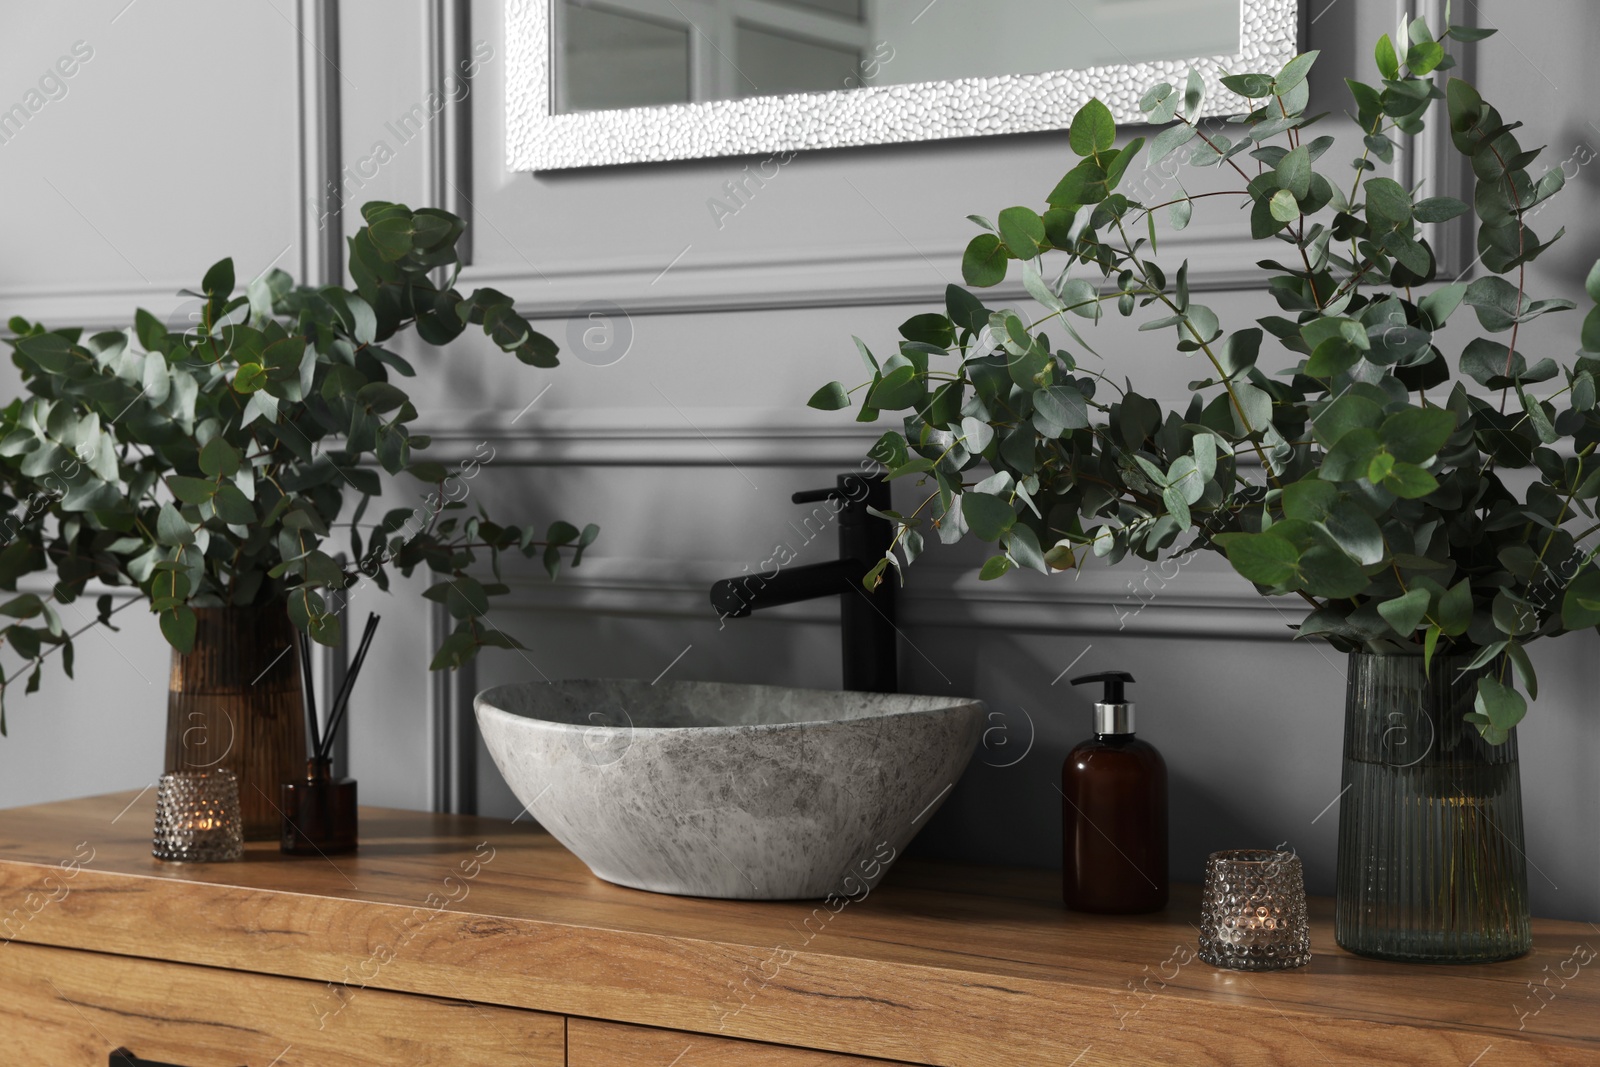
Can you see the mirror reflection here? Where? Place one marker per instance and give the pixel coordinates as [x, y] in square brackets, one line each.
[640, 53]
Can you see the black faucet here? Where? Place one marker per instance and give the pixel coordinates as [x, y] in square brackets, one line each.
[868, 633]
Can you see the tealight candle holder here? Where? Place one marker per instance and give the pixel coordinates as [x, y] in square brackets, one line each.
[1253, 911]
[197, 817]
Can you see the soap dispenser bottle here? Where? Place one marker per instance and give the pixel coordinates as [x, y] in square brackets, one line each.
[1114, 812]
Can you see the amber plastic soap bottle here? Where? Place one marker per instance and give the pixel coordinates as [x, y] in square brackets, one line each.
[1114, 812]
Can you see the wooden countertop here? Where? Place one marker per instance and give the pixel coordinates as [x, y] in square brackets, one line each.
[941, 964]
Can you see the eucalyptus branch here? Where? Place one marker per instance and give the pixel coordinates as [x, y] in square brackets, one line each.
[65, 641]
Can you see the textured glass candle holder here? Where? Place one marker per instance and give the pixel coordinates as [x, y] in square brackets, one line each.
[1253, 911]
[197, 817]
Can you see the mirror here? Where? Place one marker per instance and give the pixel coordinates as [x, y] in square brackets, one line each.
[643, 53]
[617, 81]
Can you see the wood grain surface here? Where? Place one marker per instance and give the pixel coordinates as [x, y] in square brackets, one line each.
[591, 1043]
[941, 964]
[64, 1008]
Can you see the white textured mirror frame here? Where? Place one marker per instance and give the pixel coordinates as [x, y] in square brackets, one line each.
[537, 139]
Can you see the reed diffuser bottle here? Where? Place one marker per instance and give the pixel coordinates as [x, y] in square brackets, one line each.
[319, 813]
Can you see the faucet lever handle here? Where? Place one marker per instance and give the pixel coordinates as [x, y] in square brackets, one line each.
[814, 496]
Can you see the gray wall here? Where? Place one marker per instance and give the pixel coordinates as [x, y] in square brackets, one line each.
[167, 152]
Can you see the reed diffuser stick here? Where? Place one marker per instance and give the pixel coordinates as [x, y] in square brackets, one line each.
[341, 702]
[308, 691]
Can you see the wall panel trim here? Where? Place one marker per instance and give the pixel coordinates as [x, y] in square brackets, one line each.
[321, 190]
[839, 276]
[1196, 600]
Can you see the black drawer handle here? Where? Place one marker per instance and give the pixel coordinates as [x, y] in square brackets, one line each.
[123, 1058]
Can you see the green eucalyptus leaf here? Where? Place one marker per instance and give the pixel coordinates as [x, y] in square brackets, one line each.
[1500, 708]
[1093, 130]
[191, 490]
[232, 506]
[218, 282]
[1023, 232]
[1023, 548]
[1388, 58]
[1264, 559]
[1388, 203]
[987, 516]
[1351, 457]
[1194, 94]
[219, 458]
[249, 378]
[1063, 405]
[1294, 73]
[830, 397]
[172, 528]
[984, 263]
[178, 626]
[1439, 305]
[1415, 435]
[1328, 572]
[1356, 532]
[1440, 209]
[1250, 86]
[1406, 612]
[1170, 140]
[1348, 412]
[1409, 482]
[1294, 175]
[1310, 499]
[1283, 206]
[1580, 603]
[994, 567]
[1453, 614]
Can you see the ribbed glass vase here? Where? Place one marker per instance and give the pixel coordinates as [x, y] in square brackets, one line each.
[234, 702]
[1431, 862]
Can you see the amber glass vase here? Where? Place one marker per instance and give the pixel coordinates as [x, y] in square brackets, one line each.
[234, 703]
[1431, 863]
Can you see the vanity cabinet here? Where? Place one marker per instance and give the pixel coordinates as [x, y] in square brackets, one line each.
[591, 1043]
[453, 940]
[62, 1007]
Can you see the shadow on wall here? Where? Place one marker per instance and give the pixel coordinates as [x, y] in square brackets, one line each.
[1262, 775]
[1205, 817]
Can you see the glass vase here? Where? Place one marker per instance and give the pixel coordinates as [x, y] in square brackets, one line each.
[234, 703]
[1431, 860]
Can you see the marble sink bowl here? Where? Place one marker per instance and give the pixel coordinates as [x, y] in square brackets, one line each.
[736, 791]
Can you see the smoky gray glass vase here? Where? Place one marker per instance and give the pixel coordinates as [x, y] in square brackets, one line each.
[1431, 857]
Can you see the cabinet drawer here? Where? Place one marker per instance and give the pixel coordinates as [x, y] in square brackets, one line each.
[591, 1043]
[68, 1008]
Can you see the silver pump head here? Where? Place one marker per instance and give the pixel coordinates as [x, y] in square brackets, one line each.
[1113, 718]
[1112, 714]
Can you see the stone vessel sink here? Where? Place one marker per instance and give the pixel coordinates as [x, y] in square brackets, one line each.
[735, 791]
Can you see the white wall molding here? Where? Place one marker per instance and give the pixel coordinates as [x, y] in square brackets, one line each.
[846, 275]
[655, 437]
[453, 726]
[793, 436]
[447, 32]
[1429, 160]
[111, 305]
[1194, 600]
[321, 214]
[92, 305]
